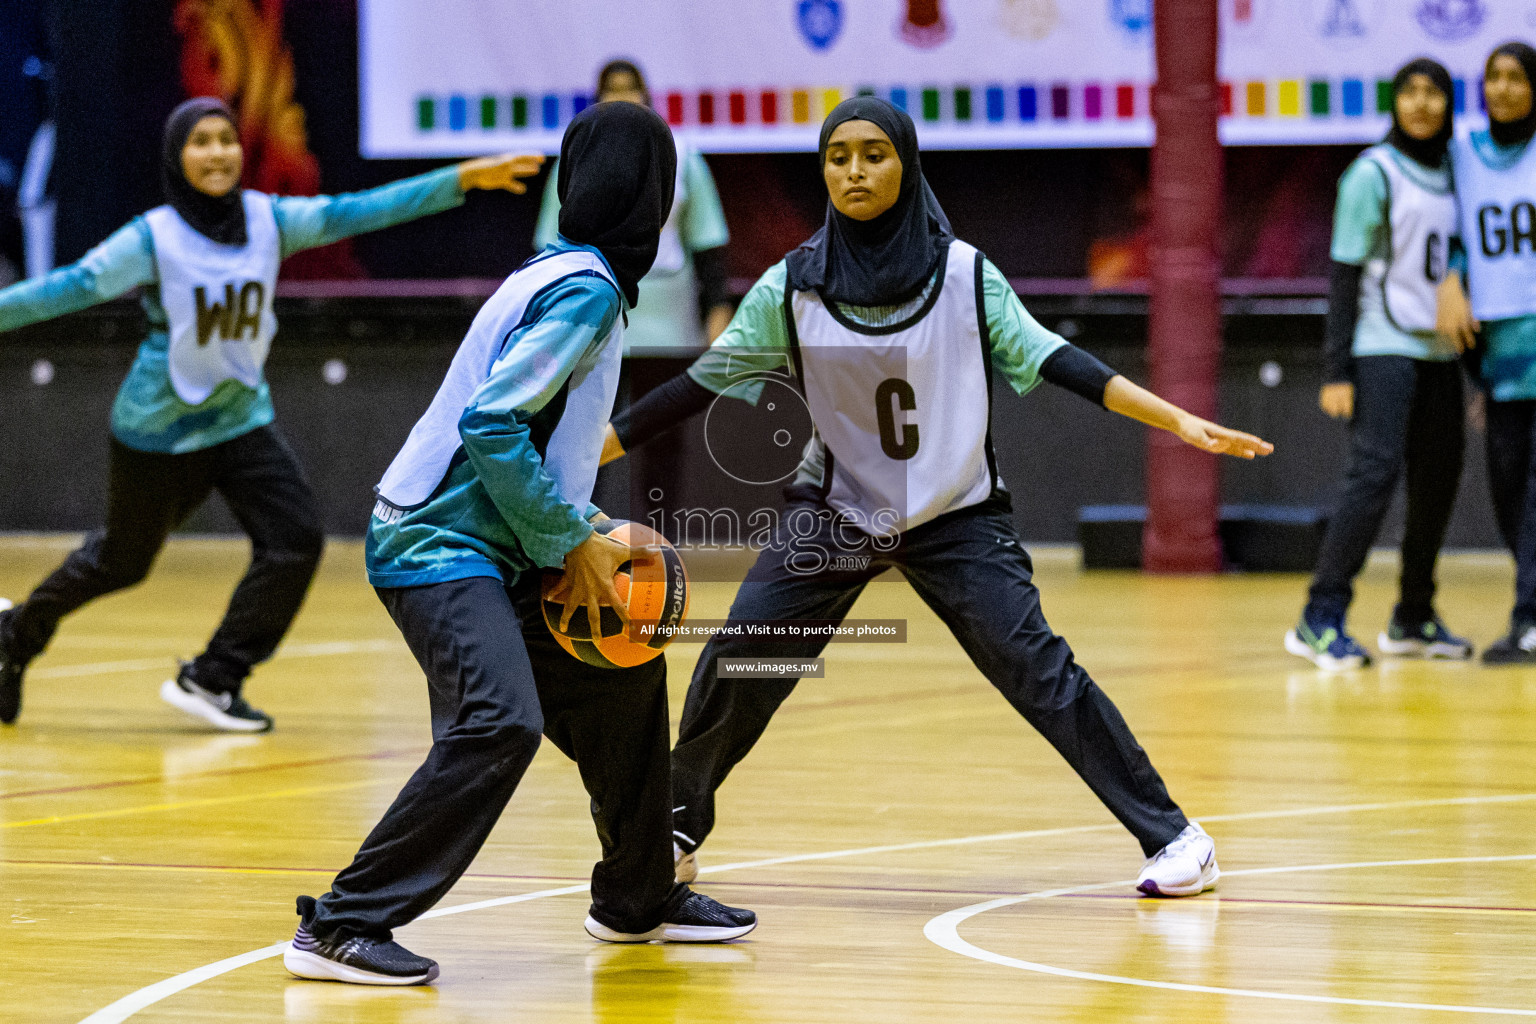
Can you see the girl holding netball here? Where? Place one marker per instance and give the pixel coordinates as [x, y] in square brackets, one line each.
[894, 328]
[194, 414]
[1495, 172]
[1393, 376]
[493, 485]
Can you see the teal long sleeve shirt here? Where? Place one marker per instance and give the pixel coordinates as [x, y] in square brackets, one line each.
[757, 342]
[147, 414]
[498, 512]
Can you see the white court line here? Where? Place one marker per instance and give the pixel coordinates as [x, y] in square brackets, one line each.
[129, 1005]
[314, 650]
[943, 931]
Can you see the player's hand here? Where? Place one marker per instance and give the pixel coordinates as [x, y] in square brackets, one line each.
[1337, 399]
[588, 581]
[499, 172]
[612, 449]
[1211, 437]
[1453, 314]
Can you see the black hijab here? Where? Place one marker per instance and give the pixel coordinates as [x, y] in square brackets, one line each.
[1431, 151]
[221, 218]
[1515, 133]
[888, 259]
[618, 173]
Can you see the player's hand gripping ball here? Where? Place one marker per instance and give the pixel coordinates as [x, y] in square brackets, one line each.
[654, 589]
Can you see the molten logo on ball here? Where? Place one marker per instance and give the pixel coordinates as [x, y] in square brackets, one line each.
[654, 588]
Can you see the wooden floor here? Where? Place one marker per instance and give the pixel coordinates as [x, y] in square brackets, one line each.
[915, 852]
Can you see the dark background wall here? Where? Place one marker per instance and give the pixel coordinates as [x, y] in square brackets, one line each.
[1056, 452]
[1036, 213]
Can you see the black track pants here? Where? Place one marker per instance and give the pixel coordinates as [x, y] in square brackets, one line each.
[498, 679]
[1408, 418]
[971, 569]
[148, 495]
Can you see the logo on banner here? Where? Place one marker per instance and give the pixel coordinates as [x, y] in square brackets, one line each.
[1244, 19]
[1451, 20]
[821, 22]
[1133, 16]
[924, 24]
[1028, 19]
[1345, 23]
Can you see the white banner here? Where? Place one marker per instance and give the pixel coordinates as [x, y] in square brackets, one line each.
[457, 77]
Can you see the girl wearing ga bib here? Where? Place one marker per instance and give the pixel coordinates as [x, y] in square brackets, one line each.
[194, 414]
[892, 330]
[1495, 172]
[1392, 376]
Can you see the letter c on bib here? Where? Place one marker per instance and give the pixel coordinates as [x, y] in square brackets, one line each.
[906, 446]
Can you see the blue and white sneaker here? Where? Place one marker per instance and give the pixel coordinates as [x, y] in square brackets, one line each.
[1325, 644]
[1426, 639]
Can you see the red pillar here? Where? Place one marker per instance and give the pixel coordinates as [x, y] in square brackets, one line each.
[1184, 332]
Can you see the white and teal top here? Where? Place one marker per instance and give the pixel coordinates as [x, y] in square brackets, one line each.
[1395, 219]
[198, 380]
[1496, 192]
[899, 396]
[496, 478]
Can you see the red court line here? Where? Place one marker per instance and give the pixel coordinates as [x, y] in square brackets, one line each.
[216, 773]
[254, 868]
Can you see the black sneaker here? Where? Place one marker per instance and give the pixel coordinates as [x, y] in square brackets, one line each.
[10, 675]
[1518, 647]
[1426, 638]
[221, 709]
[697, 918]
[357, 960]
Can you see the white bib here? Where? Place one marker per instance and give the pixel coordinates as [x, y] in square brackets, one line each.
[1498, 227]
[1421, 223]
[217, 298]
[671, 257]
[572, 451]
[903, 412]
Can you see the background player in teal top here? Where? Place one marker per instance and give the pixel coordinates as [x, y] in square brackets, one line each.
[169, 452]
[1505, 347]
[880, 277]
[1393, 376]
[690, 271]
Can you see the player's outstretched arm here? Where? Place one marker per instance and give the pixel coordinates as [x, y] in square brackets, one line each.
[505, 172]
[1138, 403]
[307, 222]
[118, 265]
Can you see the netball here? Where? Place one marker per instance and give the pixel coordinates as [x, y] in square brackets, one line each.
[654, 587]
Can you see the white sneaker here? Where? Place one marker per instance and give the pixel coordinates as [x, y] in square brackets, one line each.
[685, 866]
[1185, 867]
[224, 711]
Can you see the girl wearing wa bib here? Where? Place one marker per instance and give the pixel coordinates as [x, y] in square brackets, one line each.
[1392, 376]
[194, 414]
